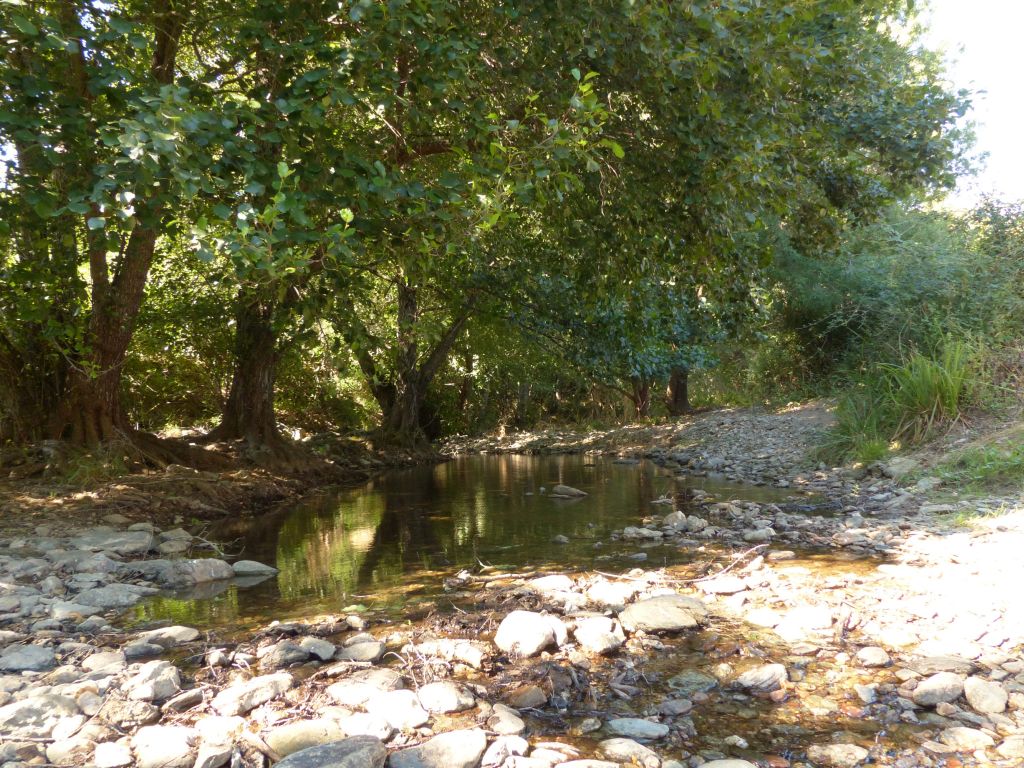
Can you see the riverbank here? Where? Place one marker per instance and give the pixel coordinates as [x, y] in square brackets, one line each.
[868, 625]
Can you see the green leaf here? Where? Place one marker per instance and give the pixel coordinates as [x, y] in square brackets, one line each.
[576, 74]
[283, 170]
[96, 222]
[25, 26]
[222, 211]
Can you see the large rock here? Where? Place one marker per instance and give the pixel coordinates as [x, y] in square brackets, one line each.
[114, 596]
[252, 568]
[169, 637]
[598, 634]
[567, 491]
[353, 752]
[985, 696]
[629, 752]
[155, 681]
[965, 739]
[164, 746]
[370, 650]
[525, 633]
[27, 658]
[36, 717]
[303, 734]
[356, 690]
[636, 728]
[400, 708]
[940, 687]
[118, 542]
[282, 654]
[455, 749]
[445, 696]
[239, 699]
[837, 755]
[873, 656]
[203, 570]
[763, 678]
[691, 681]
[665, 613]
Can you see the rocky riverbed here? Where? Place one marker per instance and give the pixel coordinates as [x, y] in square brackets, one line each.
[862, 628]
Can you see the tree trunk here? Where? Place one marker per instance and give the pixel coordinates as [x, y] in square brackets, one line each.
[641, 397]
[678, 399]
[248, 412]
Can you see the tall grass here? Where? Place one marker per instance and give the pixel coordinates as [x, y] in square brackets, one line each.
[898, 405]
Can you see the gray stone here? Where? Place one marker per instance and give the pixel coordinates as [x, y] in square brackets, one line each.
[114, 596]
[317, 648]
[369, 651]
[940, 687]
[35, 717]
[169, 637]
[965, 739]
[239, 699]
[303, 734]
[629, 752]
[400, 708]
[445, 696]
[252, 568]
[281, 654]
[27, 658]
[636, 728]
[764, 678]
[164, 746]
[155, 681]
[599, 634]
[985, 696]
[63, 610]
[357, 689]
[353, 752]
[118, 542]
[837, 755]
[204, 570]
[525, 633]
[127, 714]
[455, 749]
[505, 721]
[504, 747]
[665, 613]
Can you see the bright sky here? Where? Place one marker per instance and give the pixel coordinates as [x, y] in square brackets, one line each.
[982, 40]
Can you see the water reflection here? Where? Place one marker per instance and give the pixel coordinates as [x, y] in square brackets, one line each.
[395, 538]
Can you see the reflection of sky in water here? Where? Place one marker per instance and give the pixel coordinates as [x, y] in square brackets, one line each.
[396, 537]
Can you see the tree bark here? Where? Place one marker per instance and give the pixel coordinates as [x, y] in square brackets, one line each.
[678, 400]
[248, 412]
[641, 396]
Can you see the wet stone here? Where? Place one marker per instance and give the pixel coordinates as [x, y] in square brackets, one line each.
[691, 681]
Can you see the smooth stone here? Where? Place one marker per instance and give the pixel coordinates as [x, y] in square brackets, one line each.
[281, 654]
[213, 756]
[63, 610]
[525, 633]
[252, 568]
[964, 739]
[321, 649]
[114, 596]
[303, 734]
[365, 724]
[164, 746]
[445, 696]
[675, 707]
[155, 681]
[599, 635]
[665, 613]
[35, 717]
[119, 542]
[455, 749]
[837, 755]
[216, 729]
[505, 721]
[127, 714]
[636, 728]
[985, 696]
[527, 697]
[74, 751]
[1012, 747]
[353, 752]
[630, 752]
[764, 678]
[205, 569]
[940, 687]
[27, 658]
[114, 660]
[567, 491]
[505, 747]
[169, 637]
[357, 689]
[400, 708]
[370, 651]
[691, 681]
[240, 698]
